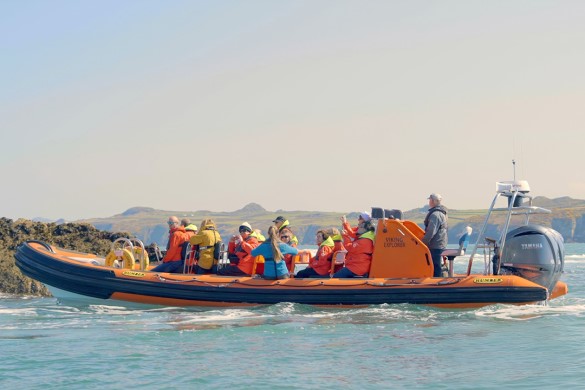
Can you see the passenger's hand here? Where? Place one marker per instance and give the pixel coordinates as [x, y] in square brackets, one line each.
[343, 219]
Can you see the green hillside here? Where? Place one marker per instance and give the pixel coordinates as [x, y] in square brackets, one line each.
[149, 224]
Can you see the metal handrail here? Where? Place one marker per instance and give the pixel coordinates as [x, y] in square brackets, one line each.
[481, 234]
[511, 210]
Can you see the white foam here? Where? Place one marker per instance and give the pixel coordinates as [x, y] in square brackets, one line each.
[528, 312]
[113, 310]
[215, 316]
[26, 311]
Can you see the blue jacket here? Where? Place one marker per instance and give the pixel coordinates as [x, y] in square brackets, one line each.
[269, 264]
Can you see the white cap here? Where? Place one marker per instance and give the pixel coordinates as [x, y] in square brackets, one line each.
[365, 216]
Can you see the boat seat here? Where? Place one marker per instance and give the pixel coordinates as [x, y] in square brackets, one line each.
[337, 260]
[451, 254]
[378, 213]
[302, 257]
[189, 262]
[257, 260]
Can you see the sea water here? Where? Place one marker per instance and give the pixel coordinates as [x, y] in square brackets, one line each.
[48, 345]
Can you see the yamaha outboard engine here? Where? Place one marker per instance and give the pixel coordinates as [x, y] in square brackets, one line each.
[536, 253]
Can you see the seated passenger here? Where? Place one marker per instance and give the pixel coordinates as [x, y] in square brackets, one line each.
[285, 236]
[185, 222]
[320, 264]
[205, 240]
[282, 223]
[359, 251]
[337, 239]
[177, 236]
[191, 230]
[239, 252]
[273, 251]
[352, 231]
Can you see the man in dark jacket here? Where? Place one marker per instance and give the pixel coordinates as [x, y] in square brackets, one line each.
[435, 237]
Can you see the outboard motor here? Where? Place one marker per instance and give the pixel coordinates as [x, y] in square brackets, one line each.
[536, 253]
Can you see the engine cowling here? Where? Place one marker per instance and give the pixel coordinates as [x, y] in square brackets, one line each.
[536, 253]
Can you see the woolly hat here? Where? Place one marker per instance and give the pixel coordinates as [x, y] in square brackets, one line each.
[245, 226]
[280, 218]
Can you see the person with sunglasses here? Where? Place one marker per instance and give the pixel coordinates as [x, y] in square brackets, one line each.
[177, 236]
[282, 223]
[286, 236]
[352, 231]
[240, 247]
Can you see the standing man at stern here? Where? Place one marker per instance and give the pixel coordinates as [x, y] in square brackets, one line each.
[435, 237]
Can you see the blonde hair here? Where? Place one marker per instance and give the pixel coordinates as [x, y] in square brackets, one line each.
[332, 231]
[334, 234]
[274, 240]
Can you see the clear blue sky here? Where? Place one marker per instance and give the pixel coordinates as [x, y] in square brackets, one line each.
[296, 105]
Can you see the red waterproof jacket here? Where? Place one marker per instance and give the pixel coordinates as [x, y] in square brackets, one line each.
[243, 250]
[359, 253]
[321, 263]
[177, 236]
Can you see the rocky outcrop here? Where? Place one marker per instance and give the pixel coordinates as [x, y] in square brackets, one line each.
[80, 237]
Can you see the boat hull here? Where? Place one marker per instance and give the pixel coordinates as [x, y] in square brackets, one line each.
[76, 273]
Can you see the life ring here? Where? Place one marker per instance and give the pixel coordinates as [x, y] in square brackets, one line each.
[125, 255]
[142, 255]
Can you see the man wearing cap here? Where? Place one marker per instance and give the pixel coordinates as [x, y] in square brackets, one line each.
[239, 252]
[281, 222]
[435, 237]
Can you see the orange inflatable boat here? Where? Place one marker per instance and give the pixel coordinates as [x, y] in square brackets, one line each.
[524, 266]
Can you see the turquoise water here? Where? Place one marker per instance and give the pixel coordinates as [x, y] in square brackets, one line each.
[46, 345]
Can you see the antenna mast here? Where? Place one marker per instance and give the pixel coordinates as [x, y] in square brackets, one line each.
[514, 165]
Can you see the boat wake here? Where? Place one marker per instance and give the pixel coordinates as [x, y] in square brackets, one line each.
[528, 312]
